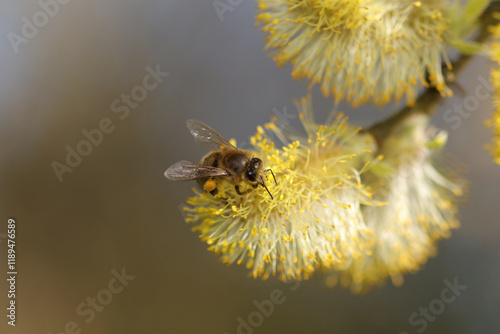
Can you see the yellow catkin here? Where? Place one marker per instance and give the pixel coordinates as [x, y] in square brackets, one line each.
[398, 44]
[291, 234]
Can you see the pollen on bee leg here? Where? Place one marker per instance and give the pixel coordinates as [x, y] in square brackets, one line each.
[210, 185]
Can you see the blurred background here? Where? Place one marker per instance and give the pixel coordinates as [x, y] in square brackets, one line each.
[116, 210]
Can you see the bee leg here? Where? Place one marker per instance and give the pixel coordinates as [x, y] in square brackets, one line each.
[270, 170]
[237, 188]
[211, 186]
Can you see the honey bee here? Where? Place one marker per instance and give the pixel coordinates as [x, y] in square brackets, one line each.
[225, 161]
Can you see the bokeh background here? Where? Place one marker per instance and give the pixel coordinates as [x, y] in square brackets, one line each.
[117, 210]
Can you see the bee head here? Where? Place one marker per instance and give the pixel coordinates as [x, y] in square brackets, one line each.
[254, 174]
[253, 170]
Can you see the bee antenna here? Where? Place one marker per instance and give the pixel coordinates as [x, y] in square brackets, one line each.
[270, 170]
[264, 185]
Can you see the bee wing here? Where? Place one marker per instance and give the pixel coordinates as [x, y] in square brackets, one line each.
[206, 136]
[186, 171]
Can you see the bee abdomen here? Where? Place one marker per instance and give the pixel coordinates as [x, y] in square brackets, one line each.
[212, 159]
